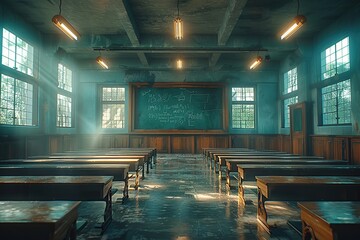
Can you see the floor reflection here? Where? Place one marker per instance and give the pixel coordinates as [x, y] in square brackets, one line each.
[182, 198]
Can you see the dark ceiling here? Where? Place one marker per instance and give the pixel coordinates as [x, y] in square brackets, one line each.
[138, 34]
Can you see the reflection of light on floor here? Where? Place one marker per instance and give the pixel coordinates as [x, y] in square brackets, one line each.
[203, 197]
[276, 207]
[173, 197]
[154, 186]
[182, 238]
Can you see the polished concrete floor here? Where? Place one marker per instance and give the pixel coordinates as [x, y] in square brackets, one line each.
[181, 198]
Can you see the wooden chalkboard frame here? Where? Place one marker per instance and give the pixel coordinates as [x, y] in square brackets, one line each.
[135, 86]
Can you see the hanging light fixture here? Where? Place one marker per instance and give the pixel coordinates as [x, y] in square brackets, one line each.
[179, 64]
[65, 26]
[294, 25]
[101, 61]
[178, 25]
[256, 63]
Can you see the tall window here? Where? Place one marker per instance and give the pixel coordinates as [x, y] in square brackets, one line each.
[336, 103]
[243, 107]
[113, 107]
[64, 97]
[17, 92]
[16, 102]
[336, 91]
[17, 54]
[335, 59]
[289, 94]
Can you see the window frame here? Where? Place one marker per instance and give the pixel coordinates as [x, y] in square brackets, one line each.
[244, 102]
[23, 77]
[16, 66]
[101, 108]
[333, 80]
[69, 94]
[287, 95]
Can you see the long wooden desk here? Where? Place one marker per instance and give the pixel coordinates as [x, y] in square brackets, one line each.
[248, 172]
[304, 188]
[118, 171]
[47, 220]
[144, 158]
[220, 159]
[330, 220]
[48, 188]
[133, 163]
[231, 164]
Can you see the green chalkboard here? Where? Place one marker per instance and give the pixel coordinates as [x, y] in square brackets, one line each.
[178, 108]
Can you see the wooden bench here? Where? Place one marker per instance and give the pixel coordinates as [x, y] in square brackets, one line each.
[330, 220]
[231, 164]
[248, 172]
[144, 158]
[48, 188]
[220, 159]
[304, 188]
[48, 220]
[118, 171]
[133, 162]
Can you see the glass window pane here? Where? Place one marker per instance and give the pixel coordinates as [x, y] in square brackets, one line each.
[113, 107]
[335, 59]
[336, 103]
[17, 53]
[243, 107]
[63, 111]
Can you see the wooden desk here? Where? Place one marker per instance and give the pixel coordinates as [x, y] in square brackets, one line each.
[118, 171]
[304, 188]
[48, 188]
[231, 164]
[220, 159]
[330, 220]
[133, 163]
[144, 158]
[48, 220]
[248, 172]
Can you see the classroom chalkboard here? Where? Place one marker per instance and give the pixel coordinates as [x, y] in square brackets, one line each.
[178, 108]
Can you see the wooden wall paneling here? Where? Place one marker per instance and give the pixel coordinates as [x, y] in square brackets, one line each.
[285, 144]
[271, 142]
[322, 146]
[355, 151]
[88, 141]
[36, 145]
[121, 141]
[161, 143]
[182, 144]
[341, 148]
[55, 145]
[69, 142]
[136, 141]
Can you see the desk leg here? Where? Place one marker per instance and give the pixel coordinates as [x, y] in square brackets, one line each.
[261, 211]
[107, 212]
[137, 182]
[241, 190]
[228, 180]
[215, 168]
[147, 165]
[126, 190]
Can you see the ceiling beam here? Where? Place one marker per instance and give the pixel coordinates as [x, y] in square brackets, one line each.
[230, 19]
[216, 50]
[129, 25]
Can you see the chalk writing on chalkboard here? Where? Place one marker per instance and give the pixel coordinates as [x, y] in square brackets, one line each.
[179, 108]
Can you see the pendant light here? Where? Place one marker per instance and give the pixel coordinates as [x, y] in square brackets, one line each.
[178, 25]
[65, 26]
